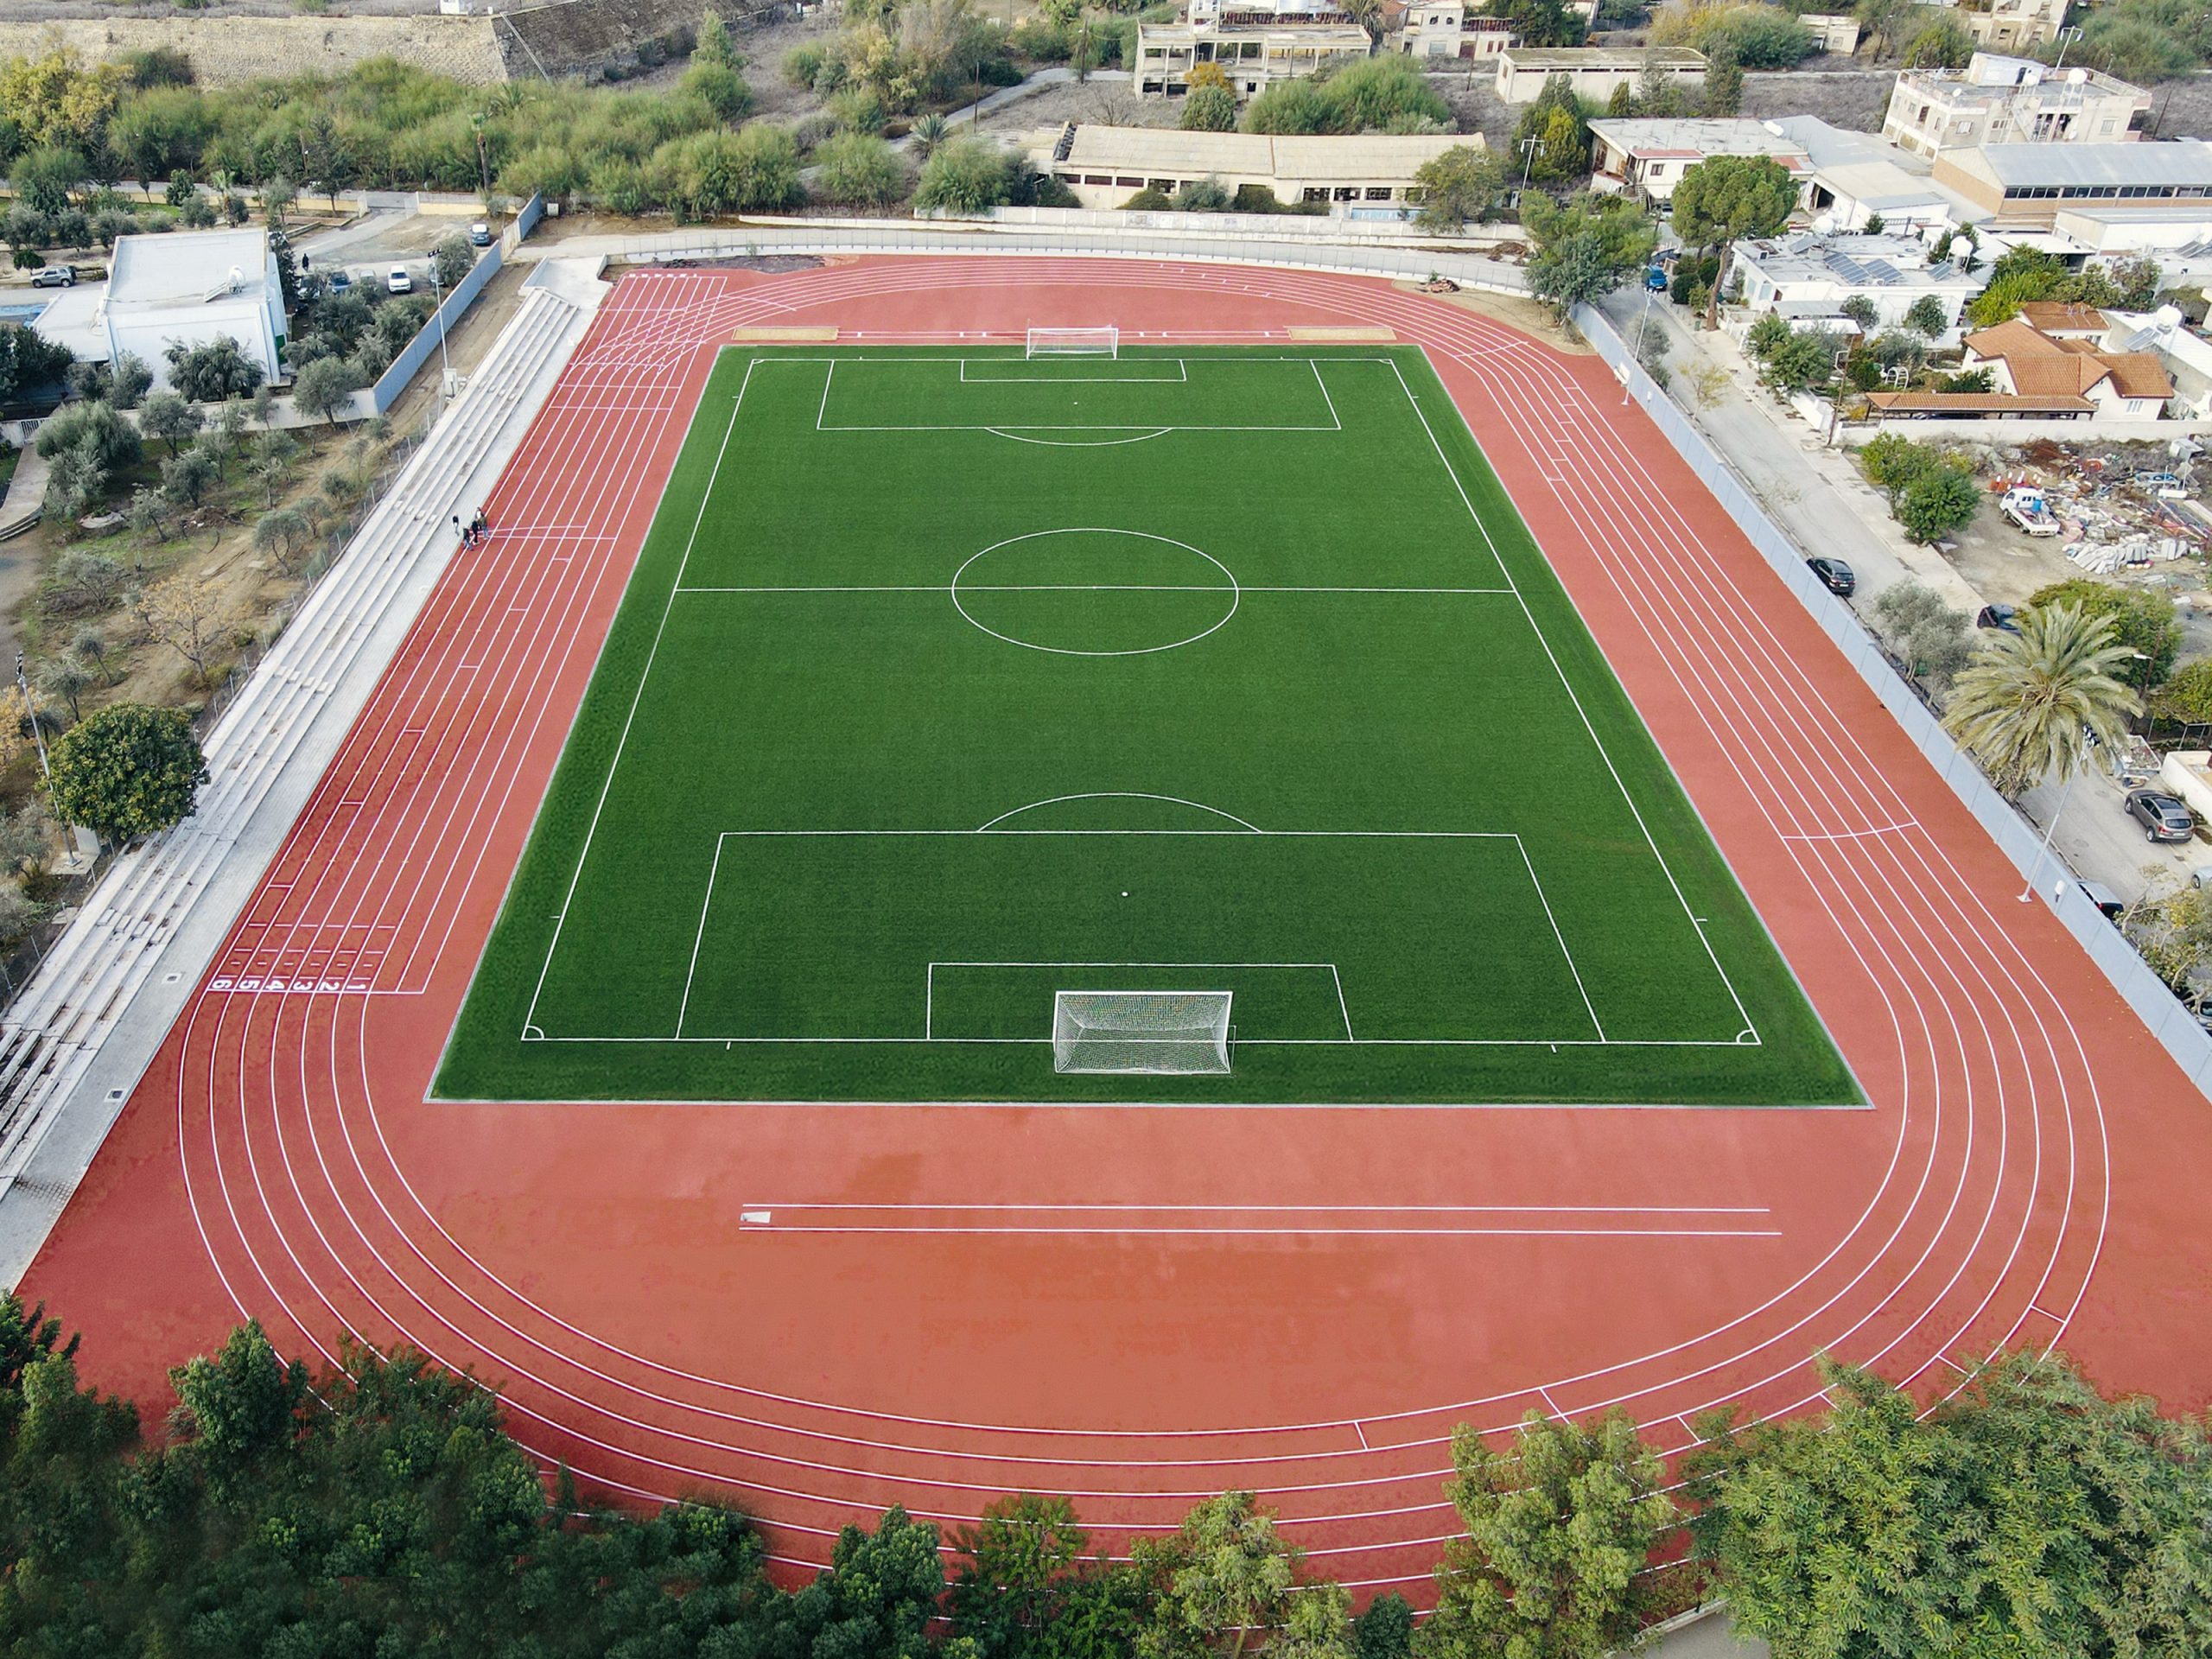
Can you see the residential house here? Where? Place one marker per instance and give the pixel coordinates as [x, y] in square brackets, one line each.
[1835, 31]
[2114, 385]
[2183, 352]
[1647, 158]
[1809, 278]
[1105, 166]
[2009, 25]
[2029, 185]
[2001, 100]
[1594, 71]
[1453, 30]
[1855, 178]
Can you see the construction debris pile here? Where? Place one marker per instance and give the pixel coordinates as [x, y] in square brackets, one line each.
[2127, 508]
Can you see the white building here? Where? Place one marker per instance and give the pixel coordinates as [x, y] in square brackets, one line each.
[1105, 166]
[2185, 354]
[1647, 158]
[1809, 278]
[192, 288]
[1453, 30]
[1594, 71]
[2025, 362]
[2001, 100]
[1855, 177]
[1253, 47]
[2009, 25]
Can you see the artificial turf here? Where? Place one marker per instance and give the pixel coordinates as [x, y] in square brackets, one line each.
[947, 680]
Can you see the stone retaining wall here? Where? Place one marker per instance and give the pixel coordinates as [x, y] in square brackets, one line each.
[225, 52]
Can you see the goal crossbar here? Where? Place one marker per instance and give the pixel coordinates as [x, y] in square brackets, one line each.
[1073, 342]
[1184, 1032]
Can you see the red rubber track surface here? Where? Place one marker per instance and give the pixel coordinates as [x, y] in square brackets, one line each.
[1140, 1308]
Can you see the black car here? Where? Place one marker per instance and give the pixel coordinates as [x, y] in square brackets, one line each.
[2162, 818]
[1835, 576]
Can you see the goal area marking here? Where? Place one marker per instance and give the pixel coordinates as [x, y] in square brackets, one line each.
[1014, 428]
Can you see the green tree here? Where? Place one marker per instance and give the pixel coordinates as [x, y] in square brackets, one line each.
[1206, 195]
[1233, 1584]
[2186, 697]
[1927, 635]
[1380, 93]
[1942, 44]
[860, 169]
[1209, 108]
[1558, 1534]
[1385, 1630]
[2022, 275]
[91, 425]
[1925, 316]
[1803, 361]
[126, 771]
[212, 370]
[1931, 507]
[2145, 622]
[1021, 1564]
[1723, 79]
[2030, 703]
[284, 533]
[324, 387]
[1727, 199]
[1460, 185]
[879, 1595]
[1860, 309]
[168, 417]
[187, 477]
[129, 381]
[43, 180]
[718, 86]
[1555, 97]
[966, 175]
[2021, 1515]
[1585, 249]
[1292, 107]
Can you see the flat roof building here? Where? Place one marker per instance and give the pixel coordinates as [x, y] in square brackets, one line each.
[187, 287]
[1105, 166]
[2029, 184]
[1647, 158]
[1252, 49]
[1592, 70]
[1808, 277]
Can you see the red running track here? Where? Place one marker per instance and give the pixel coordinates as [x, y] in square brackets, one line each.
[1140, 1308]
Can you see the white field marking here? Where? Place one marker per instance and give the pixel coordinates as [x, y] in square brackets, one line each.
[1112, 1205]
[929, 989]
[1233, 591]
[1182, 373]
[1014, 429]
[690, 973]
[606, 785]
[1018, 435]
[1247, 828]
[1567, 685]
[1246, 824]
[1077, 587]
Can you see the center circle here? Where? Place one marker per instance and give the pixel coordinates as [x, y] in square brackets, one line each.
[1095, 593]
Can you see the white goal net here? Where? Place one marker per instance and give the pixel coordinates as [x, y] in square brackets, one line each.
[1074, 342]
[1182, 1031]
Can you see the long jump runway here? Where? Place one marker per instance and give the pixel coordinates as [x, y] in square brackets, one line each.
[816, 1312]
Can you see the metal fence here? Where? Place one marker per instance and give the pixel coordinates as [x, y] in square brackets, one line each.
[2153, 1000]
[463, 294]
[892, 236]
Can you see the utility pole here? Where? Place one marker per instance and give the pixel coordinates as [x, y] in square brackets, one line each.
[1528, 151]
[2067, 36]
[38, 731]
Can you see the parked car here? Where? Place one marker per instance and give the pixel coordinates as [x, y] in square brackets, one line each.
[1655, 278]
[2004, 617]
[55, 276]
[340, 283]
[399, 282]
[2163, 817]
[1835, 576]
[480, 235]
[2105, 899]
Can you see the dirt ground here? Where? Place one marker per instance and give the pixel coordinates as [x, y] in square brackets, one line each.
[1529, 317]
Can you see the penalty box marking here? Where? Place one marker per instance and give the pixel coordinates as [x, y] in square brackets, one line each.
[1182, 374]
[829, 381]
[714, 872]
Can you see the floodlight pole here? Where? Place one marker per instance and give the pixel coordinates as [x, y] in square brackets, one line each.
[38, 732]
[437, 294]
[1529, 150]
[2067, 36]
[2043, 856]
[1636, 352]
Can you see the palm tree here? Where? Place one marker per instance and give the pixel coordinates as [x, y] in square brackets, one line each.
[2038, 701]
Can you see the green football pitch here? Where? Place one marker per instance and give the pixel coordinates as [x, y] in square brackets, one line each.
[949, 681]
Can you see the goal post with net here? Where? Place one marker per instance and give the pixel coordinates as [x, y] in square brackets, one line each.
[1177, 1032]
[1074, 342]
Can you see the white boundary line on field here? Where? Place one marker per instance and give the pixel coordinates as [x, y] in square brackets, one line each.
[1182, 373]
[1014, 428]
[929, 981]
[533, 1032]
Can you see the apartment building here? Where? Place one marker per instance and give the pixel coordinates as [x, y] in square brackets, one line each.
[2009, 25]
[2003, 100]
[1451, 29]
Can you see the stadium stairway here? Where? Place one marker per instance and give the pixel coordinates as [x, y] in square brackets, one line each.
[320, 672]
